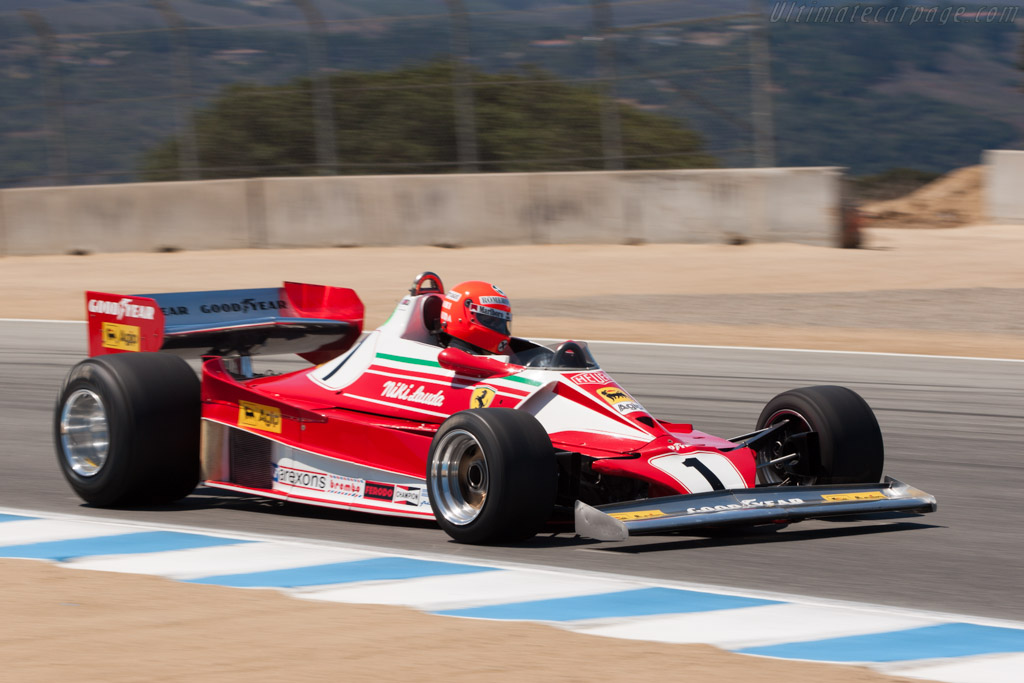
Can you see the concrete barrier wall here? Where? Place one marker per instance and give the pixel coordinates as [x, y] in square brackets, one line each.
[136, 217]
[1004, 185]
[777, 204]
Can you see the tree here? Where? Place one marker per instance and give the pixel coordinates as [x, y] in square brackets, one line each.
[402, 121]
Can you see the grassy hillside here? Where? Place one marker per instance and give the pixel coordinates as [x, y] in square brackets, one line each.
[868, 96]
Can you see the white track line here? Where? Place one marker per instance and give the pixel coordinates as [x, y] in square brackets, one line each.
[682, 346]
[33, 320]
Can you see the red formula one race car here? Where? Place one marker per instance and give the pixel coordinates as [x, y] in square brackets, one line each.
[400, 421]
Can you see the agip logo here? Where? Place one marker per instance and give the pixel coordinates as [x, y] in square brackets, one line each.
[482, 397]
[259, 416]
[614, 395]
[619, 399]
[120, 337]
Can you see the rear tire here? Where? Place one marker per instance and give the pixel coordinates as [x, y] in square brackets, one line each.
[126, 429]
[492, 476]
[850, 449]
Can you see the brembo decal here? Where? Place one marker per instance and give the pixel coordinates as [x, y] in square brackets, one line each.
[259, 416]
[347, 487]
[121, 337]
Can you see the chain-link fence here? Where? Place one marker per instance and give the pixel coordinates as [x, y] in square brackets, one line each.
[88, 90]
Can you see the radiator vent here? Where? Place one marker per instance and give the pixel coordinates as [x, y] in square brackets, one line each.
[250, 460]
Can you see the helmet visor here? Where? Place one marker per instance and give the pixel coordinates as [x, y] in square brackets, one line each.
[494, 319]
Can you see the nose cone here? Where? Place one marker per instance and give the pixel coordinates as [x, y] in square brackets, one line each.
[606, 396]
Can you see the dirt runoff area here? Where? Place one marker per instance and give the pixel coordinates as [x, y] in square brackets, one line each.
[956, 291]
[66, 625]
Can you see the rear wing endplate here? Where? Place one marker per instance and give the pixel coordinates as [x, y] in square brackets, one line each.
[314, 321]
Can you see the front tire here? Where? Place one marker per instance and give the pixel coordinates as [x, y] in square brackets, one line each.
[849, 447]
[492, 476]
[126, 429]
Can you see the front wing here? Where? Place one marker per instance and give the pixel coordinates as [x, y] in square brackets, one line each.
[743, 507]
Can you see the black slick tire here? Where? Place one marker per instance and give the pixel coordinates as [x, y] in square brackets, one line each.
[850, 448]
[507, 459]
[151, 403]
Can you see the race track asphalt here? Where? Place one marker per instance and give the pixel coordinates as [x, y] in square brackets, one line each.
[953, 427]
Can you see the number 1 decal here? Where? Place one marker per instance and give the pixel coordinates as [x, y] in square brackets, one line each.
[700, 472]
[695, 463]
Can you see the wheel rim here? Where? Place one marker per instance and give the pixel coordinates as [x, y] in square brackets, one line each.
[782, 473]
[84, 433]
[459, 477]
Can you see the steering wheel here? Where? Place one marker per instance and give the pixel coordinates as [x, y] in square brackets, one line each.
[570, 354]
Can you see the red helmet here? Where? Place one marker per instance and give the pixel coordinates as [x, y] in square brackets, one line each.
[478, 313]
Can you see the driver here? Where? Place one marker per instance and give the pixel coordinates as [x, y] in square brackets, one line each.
[477, 318]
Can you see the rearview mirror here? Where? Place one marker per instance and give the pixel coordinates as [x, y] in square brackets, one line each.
[464, 363]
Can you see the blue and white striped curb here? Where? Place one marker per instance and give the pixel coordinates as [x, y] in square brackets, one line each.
[900, 642]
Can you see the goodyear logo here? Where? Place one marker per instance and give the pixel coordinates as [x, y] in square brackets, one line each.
[636, 514]
[259, 416]
[120, 337]
[482, 397]
[862, 495]
[614, 395]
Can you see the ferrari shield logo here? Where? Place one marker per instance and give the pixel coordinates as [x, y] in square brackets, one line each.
[482, 397]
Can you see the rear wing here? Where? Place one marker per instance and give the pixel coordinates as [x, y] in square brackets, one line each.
[314, 321]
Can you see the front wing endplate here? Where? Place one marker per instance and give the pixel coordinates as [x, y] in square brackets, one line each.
[743, 507]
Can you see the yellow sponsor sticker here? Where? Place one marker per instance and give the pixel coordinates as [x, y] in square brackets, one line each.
[121, 337]
[259, 416]
[614, 395]
[482, 397]
[864, 495]
[635, 515]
